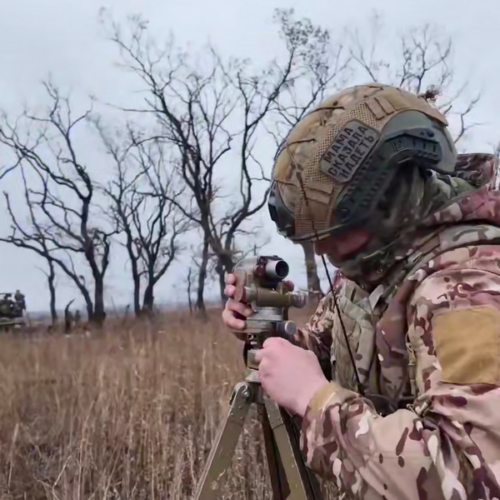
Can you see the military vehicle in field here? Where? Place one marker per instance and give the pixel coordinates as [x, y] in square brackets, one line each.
[12, 312]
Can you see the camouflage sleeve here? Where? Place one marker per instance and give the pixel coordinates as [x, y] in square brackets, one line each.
[316, 335]
[442, 448]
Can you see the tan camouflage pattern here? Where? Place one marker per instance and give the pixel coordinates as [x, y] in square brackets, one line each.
[439, 300]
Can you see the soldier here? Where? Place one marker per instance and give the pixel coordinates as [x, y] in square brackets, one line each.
[9, 306]
[20, 300]
[371, 175]
[4, 306]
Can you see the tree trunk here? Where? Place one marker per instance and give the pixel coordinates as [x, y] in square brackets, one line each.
[313, 282]
[99, 310]
[51, 278]
[88, 304]
[136, 277]
[222, 284]
[137, 295]
[202, 276]
[81, 286]
[148, 301]
[189, 286]
[68, 318]
[225, 265]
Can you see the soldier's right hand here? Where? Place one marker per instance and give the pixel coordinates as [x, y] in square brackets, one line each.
[235, 313]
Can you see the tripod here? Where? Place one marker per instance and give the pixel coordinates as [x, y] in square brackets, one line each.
[290, 479]
[260, 283]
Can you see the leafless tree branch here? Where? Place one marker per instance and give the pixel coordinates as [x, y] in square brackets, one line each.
[423, 65]
[141, 207]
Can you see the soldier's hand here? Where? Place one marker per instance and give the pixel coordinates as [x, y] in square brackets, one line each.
[290, 375]
[235, 313]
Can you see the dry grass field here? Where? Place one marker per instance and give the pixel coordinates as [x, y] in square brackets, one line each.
[129, 413]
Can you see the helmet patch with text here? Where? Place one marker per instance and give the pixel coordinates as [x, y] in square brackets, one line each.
[348, 151]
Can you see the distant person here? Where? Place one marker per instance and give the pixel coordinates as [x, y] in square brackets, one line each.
[4, 306]
[20, 300]
[9, 307]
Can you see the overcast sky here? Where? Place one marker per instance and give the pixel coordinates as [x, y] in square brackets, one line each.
[62, 38]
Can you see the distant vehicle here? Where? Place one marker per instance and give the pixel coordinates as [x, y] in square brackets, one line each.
[12, 312]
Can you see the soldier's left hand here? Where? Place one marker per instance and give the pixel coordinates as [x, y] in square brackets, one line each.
[289, 374]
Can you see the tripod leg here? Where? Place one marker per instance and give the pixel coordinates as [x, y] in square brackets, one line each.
[302, 484]
[221, 454]
[279, 484]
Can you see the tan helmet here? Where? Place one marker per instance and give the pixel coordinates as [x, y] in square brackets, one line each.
[337, 162]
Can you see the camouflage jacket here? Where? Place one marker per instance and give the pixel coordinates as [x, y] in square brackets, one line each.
[441, 310]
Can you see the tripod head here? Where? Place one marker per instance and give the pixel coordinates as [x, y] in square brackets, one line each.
[261, 285]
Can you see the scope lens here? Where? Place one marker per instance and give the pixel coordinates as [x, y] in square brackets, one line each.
[282, 269]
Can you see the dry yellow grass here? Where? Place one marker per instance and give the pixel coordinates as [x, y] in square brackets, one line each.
[130, 413]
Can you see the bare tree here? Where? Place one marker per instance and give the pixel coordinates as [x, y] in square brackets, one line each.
[213, 114]
[141, 194]
[61, 195]
[50, 274]
[189, 289]
[202, 267]
[313, 281]
[422, 65]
